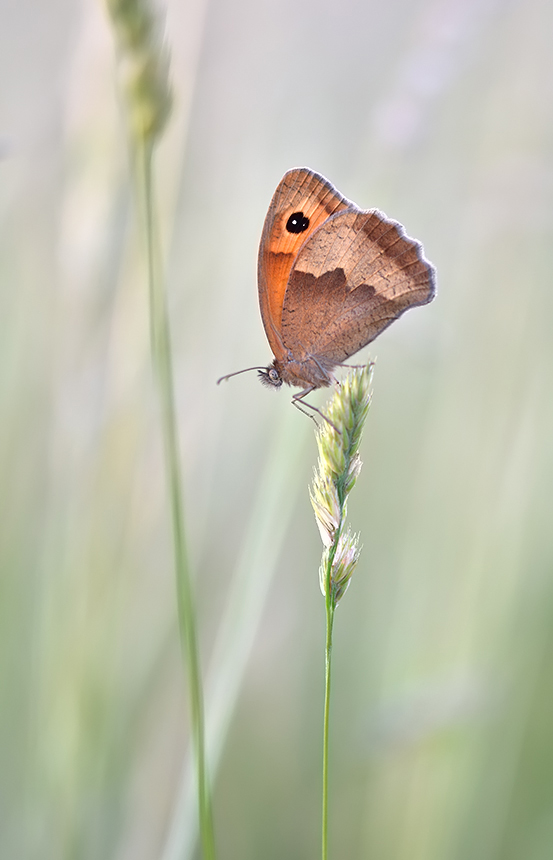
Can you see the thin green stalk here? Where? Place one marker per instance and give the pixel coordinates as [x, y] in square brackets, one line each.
[330, 606]
[144, 64]
[326, 720]
[339, 465]
[161, 356]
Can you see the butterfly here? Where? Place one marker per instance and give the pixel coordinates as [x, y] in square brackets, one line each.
[331, 278]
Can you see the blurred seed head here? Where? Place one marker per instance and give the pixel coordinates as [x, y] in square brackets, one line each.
[144, 67]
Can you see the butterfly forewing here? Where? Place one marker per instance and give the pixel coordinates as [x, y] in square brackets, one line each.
[356, 275]
[303, 201]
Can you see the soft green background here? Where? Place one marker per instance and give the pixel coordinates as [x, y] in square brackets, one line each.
[441, 114]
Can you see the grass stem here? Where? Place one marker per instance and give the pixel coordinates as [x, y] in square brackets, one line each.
[330, 607]
[337, 471]
[163, 371]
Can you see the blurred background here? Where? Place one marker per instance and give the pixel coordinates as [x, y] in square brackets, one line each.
[439, 112]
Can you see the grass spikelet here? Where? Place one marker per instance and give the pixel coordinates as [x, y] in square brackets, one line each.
[337, 471]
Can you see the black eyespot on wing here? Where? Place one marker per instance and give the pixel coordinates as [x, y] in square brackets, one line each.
[297, 223]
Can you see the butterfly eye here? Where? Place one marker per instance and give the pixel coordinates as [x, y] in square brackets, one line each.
[297, 223]
[270, 376]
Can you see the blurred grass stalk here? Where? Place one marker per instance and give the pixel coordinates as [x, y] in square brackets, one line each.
[144, 66]
[337, 471]
[272, 511]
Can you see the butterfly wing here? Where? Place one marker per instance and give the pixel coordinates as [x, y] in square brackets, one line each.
[358, 273]
[302, 202]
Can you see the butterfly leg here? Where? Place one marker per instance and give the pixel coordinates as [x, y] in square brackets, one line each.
[355, 366]
[299, 402]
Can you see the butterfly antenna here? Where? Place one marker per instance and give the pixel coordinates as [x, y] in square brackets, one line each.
[238, 372]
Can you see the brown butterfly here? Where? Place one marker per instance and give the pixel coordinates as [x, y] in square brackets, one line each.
[331, 277]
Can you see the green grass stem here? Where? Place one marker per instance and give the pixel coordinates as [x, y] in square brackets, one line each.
[144, 64]
[330, 607]
[337, 471]
[163, 370]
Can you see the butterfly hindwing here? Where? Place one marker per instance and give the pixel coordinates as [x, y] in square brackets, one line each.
[355, 275]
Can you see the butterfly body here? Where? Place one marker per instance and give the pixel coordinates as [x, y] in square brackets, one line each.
[302, 370]
[331, 278]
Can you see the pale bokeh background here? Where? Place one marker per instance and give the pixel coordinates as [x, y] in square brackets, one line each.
[439, 112]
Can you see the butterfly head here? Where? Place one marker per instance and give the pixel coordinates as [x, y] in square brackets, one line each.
[270, 376]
